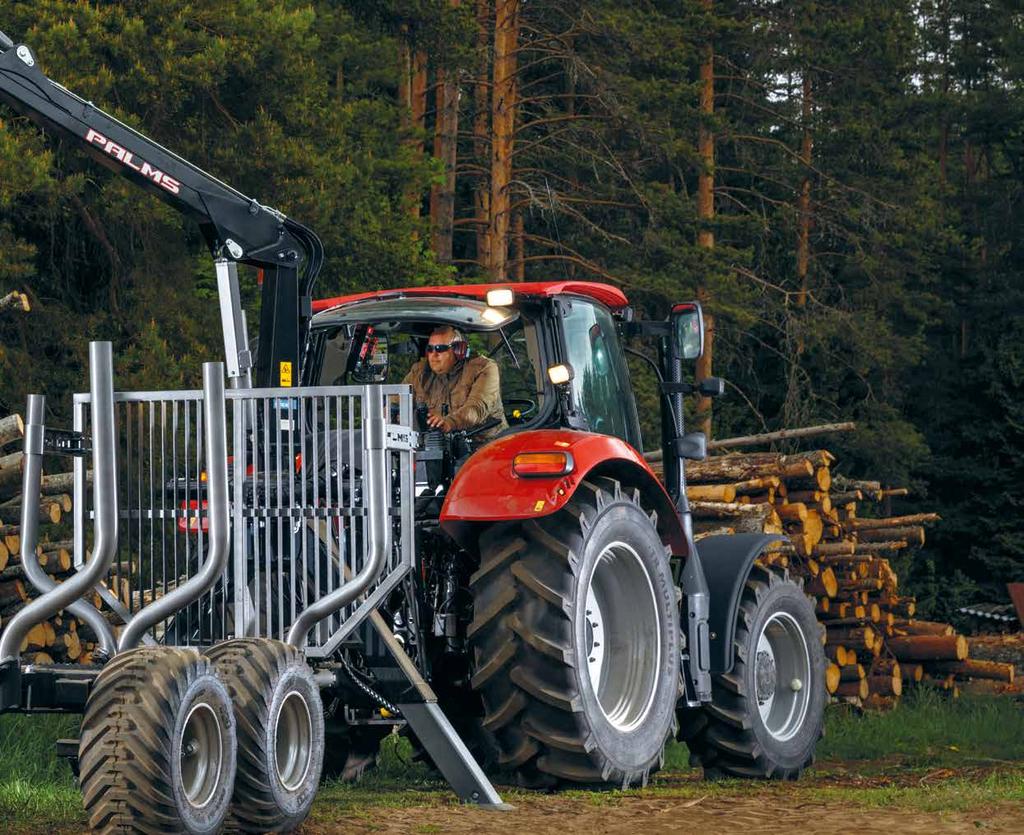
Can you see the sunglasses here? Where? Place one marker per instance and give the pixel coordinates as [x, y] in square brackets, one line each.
[439, 349]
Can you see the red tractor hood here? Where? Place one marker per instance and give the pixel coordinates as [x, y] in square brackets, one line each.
[486, 490]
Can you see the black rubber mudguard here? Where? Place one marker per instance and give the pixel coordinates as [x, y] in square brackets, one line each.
[727, 560]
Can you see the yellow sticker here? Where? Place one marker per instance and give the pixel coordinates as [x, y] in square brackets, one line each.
[286, 374]
[539, 506]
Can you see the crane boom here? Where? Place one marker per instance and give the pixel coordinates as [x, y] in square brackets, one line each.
[237, 229]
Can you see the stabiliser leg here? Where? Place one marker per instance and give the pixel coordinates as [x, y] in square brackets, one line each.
[432, 728]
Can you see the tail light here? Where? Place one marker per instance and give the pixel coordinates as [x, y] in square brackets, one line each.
[190, 521]
[542, 464]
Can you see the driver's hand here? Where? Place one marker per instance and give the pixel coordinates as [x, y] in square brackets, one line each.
[435, 421]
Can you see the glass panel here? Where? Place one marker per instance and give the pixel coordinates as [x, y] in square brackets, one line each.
[601, 384]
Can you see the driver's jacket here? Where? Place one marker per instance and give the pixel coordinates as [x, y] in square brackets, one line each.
[471, 390]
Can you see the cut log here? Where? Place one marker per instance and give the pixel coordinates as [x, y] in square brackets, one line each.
[792, 512]
[782, 435]
[912, 672]
[832, 677]
[61, 483]
[50, 511]
[852, 672]
[15, 301]
[838, 653]
[834, 549]
[10, 470]
[924, 627]
[856, 638]
[846, 497]
[857, 688]
[886, 685]
[825, 584]
[711, 493]
[929, 647]
[881, 547]
[12, 428]
[972, 668]
[896, 521]
[12, 591]
[757, 485]
[913, 536]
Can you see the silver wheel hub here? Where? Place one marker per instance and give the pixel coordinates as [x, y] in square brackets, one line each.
[622, 636]
[293, 741]
[781, 666]
[202, 754]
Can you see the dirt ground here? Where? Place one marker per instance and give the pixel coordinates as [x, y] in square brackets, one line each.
[677, 805]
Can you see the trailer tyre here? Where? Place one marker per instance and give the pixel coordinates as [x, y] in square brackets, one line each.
[576, 641]
[280, 732]
[766, 715]
[157, 747]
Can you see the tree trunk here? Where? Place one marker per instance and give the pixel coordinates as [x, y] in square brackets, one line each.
[503, 108]
[446, 135]
[803, 244]
[706, 211]
[481, 135]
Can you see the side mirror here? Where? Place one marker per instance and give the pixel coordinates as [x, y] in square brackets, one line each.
[368, 356]
[693, 446]
[687, 331]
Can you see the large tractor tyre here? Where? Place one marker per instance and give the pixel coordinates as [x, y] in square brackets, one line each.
[767, 715]
[157, 748]
[280, 723]
[575, 641]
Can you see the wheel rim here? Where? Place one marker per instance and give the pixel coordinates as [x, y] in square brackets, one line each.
[782, 675]
[293, 745]
[622, 636]
[202, 755]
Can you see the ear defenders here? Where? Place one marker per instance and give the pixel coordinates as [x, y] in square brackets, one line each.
[460, 348]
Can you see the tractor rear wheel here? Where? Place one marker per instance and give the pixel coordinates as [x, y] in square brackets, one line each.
[575, 641]
[766, 716]
[280, 732]
[157, 747]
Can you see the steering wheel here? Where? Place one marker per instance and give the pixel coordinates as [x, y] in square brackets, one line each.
[523, 408]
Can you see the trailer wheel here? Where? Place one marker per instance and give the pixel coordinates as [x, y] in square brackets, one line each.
[767, 715]
[280, 732]
[576, 641]
[157, 747]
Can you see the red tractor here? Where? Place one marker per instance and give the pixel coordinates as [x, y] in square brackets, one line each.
[562, 609]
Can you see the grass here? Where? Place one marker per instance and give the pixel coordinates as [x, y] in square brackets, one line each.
[928, 730]
[931, 755]
[34, 784]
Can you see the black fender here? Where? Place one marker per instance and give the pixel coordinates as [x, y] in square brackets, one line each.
[727, 560]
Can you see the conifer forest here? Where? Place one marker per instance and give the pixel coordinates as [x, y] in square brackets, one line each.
[840, 184]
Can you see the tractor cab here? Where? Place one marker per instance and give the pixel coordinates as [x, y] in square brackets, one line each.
[556, 346]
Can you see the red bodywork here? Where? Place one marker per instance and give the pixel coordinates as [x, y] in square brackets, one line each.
[609, 296]
[486, 490]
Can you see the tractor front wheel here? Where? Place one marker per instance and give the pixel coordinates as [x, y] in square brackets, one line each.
[766, 716]
[575, 641]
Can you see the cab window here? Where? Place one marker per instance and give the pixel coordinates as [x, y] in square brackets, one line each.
[600, 386]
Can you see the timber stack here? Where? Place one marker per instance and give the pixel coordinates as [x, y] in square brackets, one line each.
[835, 539]
[63, 639]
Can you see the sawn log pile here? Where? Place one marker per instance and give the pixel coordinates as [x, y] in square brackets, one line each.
[836, 541]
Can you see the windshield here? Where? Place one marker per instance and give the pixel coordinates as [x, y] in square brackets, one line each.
[514, 348]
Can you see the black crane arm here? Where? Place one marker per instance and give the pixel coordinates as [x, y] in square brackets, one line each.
[236, 228]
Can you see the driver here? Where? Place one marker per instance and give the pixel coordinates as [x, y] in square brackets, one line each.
[468, 386]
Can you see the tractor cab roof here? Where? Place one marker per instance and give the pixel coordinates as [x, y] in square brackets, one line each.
[607, 295]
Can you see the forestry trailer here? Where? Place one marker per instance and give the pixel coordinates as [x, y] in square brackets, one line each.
[281, 570]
